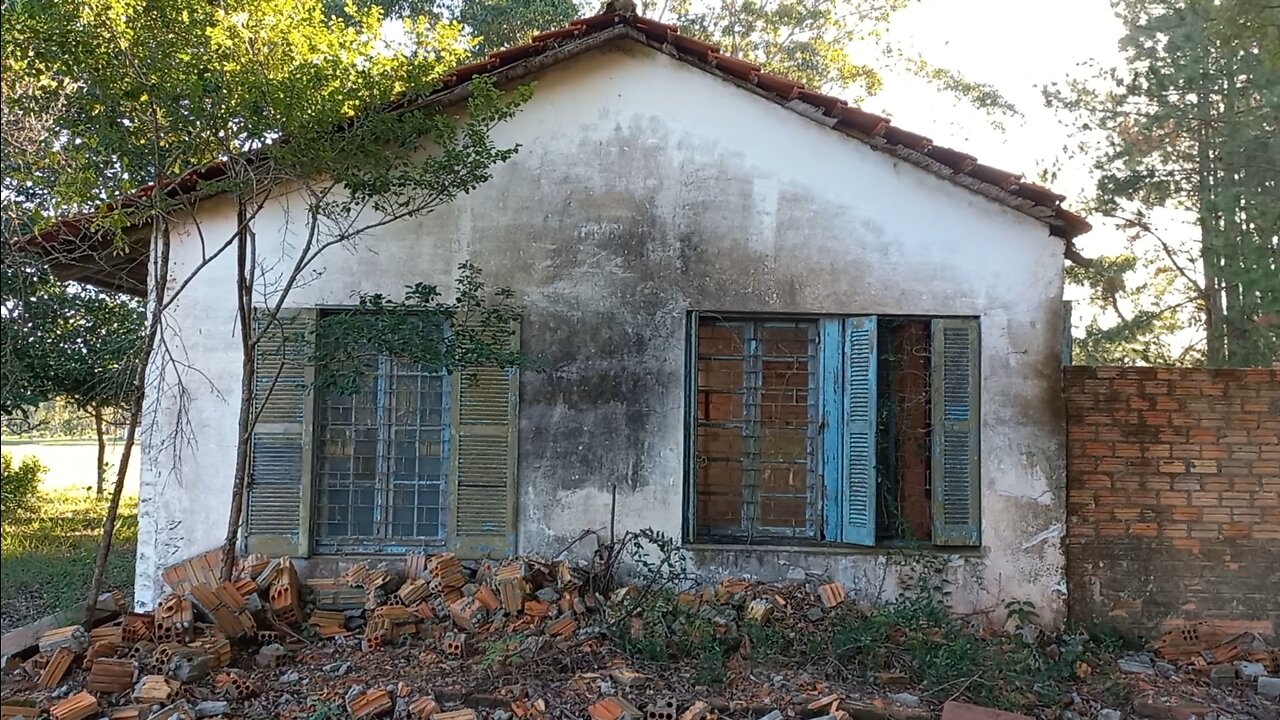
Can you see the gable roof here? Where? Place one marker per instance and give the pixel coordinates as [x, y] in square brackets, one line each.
[82, 259]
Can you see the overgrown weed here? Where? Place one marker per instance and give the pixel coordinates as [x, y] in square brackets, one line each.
[941, 655]
[47, 554]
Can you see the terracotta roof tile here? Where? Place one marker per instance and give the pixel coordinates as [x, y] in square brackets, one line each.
[906, 138]
[875, 130]
[959, 162]
[1002, 179]
[734, 66]
[693, 47]
[550, 36]
[867, 123]
[785, 88]
[829, 104]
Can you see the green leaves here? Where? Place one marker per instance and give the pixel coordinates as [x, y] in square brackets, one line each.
[64, 341]
[1186, 149]
[473, 331]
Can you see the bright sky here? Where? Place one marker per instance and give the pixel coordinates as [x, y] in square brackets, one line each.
[1018, 46]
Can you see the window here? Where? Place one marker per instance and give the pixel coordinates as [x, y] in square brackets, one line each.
[855, 430]
[757, 429]
[414, 458]
[382, 462]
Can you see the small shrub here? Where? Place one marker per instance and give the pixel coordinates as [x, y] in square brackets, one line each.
[19, 484]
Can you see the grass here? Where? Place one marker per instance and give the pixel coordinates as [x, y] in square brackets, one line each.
[942, 656]
[46, 556]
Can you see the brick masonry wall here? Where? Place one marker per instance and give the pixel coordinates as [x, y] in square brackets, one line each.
[1173, 496]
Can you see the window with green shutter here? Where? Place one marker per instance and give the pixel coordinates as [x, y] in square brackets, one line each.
[415, 458]
[877, 415]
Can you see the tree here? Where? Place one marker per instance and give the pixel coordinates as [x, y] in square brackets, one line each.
[267, 94]
[66, 341]
[1185, 144]
[815, 43]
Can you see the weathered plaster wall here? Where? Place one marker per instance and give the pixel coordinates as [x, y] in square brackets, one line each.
[644, 188]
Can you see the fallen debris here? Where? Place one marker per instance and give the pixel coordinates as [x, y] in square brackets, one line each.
[532, 639]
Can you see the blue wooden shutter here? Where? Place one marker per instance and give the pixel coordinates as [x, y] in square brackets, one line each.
[279, 492]
[955, 392]
[484, 453]
[831, 412]
[859, 446]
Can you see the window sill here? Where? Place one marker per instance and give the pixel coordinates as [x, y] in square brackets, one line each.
[831, 549]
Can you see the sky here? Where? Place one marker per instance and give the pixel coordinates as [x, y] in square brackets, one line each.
[1018, 46]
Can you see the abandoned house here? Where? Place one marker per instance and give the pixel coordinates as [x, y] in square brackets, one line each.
[768, 324]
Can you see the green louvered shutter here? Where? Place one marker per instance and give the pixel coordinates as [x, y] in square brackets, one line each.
[859, 451]
[484, 451]
[278, 505]
[955, 393]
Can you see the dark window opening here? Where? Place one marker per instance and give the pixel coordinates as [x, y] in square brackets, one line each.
[904, 427]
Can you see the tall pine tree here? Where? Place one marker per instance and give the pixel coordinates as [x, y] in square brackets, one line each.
[1187, 150]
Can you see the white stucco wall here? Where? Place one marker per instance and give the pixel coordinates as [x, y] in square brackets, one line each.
[644, 188]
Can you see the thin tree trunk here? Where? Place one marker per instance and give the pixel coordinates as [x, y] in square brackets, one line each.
[1215, 337]
[102, 452]
[244, 431]
[160, 268]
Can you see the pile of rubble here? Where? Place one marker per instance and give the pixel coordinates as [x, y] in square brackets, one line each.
[1205, 669]
[181, 660]
[435, 638]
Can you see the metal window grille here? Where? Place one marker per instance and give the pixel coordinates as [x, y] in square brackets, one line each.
[756, 429]
[382, 462]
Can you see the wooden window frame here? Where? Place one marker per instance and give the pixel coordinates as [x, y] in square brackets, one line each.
[844, 523]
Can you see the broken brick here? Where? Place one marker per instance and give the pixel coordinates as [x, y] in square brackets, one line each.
[59, 663]
[136, 627]
[154, 690]
[825, 703]
[455, 645]
[235, 686]
[71, 637]
[563, 627]
[510, 583]
[423, 708]
[759, 610]
[14, 712]
[77, 707]
[831, 594]
[174, 618]
[696, 711]
[662, 709]
[372, 704]
[613, 708]
[537, 608]
[487, 599]
[466, 612]
[101, 649]
[203, 569]
[445, 571]
[113, 633]
[413, 591]
[111, 676]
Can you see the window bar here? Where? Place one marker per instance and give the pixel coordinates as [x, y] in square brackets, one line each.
[812, 447]
[382, 392]
[753, 384]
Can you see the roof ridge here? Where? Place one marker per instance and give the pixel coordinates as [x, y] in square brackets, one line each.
[876, 131]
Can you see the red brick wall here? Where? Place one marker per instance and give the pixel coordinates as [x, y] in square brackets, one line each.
[1173, 496]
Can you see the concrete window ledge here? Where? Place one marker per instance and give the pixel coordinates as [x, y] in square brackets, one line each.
[825, 549]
